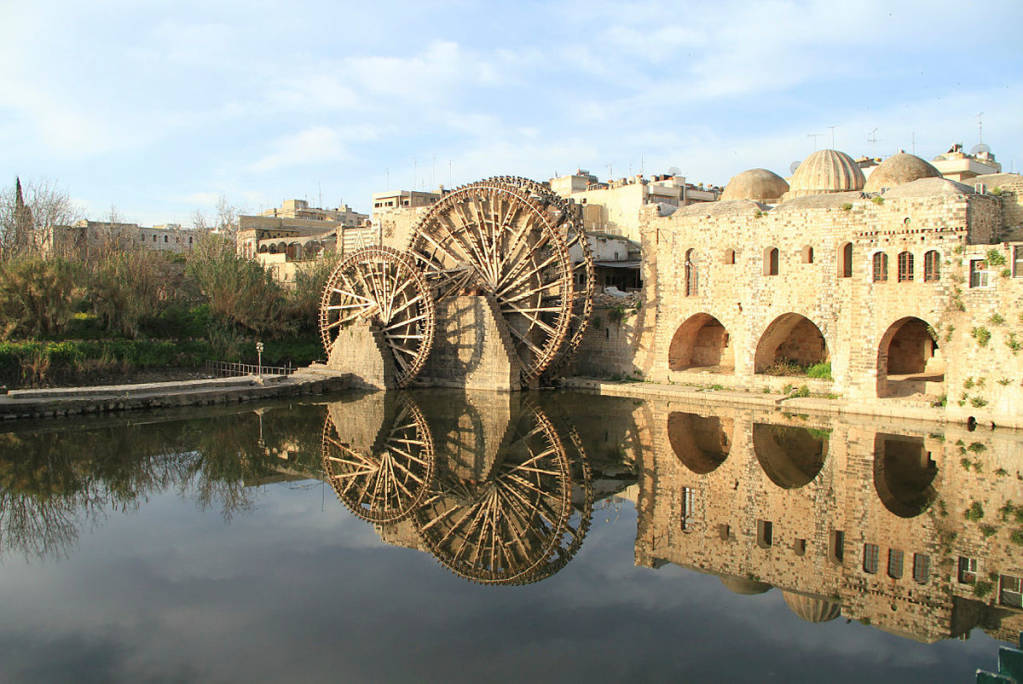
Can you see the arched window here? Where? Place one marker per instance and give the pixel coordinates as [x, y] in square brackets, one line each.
[905, 267]
[729, 257]
[845, 257]
[692, 274]
[808, 254]
[932, 266]
[880, 267]
[771, 261]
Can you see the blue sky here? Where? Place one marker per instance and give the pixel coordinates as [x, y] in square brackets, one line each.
[159, 107]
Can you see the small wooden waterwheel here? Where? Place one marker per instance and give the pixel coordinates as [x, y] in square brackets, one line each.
[385, 288]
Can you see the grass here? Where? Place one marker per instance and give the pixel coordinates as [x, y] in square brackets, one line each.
[975, 512]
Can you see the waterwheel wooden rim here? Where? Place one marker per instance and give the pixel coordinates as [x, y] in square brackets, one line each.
[502, 529]
[569, 225]
[496, 239]
[387, 482]
[382, 287]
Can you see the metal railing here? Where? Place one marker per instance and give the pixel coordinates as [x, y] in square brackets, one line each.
[226, 368]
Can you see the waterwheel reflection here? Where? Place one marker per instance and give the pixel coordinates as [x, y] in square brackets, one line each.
[515, 511]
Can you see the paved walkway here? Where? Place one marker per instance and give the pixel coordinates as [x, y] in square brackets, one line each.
[888, 408]
[63, 401]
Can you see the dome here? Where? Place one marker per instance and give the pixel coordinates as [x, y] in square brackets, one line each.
[756, 184]
[898, 169]
[812, 609]
[929, 187]
[742, 585]
[825, 171]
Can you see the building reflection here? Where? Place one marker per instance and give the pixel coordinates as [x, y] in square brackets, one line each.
[913, 532]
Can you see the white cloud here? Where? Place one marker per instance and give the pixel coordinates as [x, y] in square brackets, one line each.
[313, 145]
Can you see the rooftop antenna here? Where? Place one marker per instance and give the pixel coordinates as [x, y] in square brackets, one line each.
[642, 163]
[872, 139]
[434, 171]
[914, 142]
[814, 136]
[319, 194]
[609, 174]
[832, 136]
[980, 128]
[415, 171]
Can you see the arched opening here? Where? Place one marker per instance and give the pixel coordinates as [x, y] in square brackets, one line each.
[908, 361]
[701, 444]
[790, 346]
[701, 342]
[845, 260]
[904, 474]
[729, 257]
[771, 261]
[807, 254]
[294, 251]
[692, 274]
[272, 249]
[790, 456]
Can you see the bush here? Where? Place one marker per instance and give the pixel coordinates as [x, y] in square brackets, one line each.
[820, 370]
[975, 512]
[38, 296]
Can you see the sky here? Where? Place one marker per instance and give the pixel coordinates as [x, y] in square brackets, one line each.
[156, 109]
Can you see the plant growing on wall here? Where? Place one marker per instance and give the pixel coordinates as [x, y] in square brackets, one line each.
[981, 334]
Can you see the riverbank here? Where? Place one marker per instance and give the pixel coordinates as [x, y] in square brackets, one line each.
[784, 402]
[67, 401]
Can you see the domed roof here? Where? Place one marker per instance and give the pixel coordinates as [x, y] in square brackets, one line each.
[756, 184]
[812, 609]
[742, 585]
[898, 169]
[929, 187]
[825, 171]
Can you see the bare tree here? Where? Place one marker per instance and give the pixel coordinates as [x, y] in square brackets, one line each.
[30, 213]
[227, 217]
[199, 222]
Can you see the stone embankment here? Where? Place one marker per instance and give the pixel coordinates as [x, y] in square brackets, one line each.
[44, 403]
[784, 402]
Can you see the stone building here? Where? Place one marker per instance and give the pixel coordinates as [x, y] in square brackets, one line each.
[908, 291]
[615, 206]
[91, 238]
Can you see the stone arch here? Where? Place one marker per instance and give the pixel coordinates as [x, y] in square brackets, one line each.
[904, 473]
[272, 249]
[908, 360]
[700, 443]
[791, 457]
[701, 342]
[790, 338]
[294, 251]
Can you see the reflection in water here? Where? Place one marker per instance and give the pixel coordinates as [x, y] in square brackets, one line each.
[914, 533]
[790, 456]
[701, 443]
[504, 501]
[903, 474]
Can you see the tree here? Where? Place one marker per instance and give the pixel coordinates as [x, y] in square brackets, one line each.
[29, 212]
[227, 217]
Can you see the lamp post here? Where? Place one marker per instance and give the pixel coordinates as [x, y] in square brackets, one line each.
[259, 361]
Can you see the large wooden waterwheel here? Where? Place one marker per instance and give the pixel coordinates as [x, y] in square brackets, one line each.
[384, 288]
[500, 239]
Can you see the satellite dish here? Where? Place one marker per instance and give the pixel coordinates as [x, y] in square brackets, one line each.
[794, 165]
[980, 148]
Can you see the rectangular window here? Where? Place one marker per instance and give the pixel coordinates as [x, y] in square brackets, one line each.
[978, 273]
[1010, 591]
[932, 266]
[894, 563]
[836, 549]
[921, 567]
[967, 570]
[1017, 261]
[687, 508]
[905, 266]
[765, 533]
[870, 556]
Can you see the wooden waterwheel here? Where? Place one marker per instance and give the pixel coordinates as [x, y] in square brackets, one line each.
[384, 483]
[505, 527]
[385, 288]
[568, 223]
[499, 239]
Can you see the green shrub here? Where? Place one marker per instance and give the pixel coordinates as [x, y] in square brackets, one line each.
[820, 370]
[981, 334]
[995, 257]
[982, 588]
